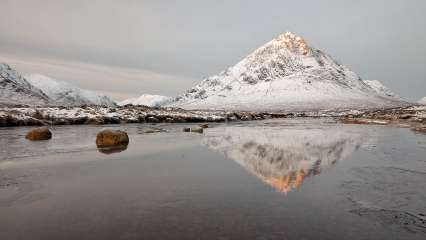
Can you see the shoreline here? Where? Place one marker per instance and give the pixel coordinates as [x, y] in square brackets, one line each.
[100, 115]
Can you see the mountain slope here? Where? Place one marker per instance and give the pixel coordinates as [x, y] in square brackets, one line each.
[381, 89]
[15, 89]
[284, 74]
[65, 94]
[423, 101]
[147, 100]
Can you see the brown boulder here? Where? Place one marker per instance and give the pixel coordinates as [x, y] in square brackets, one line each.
[111, 139]
[38, 134]
[204, 125]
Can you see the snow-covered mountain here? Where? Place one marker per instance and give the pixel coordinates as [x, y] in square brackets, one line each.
[284, 74]
[147, 100]
[65, 94]
[15, 89]
[381, 89]
[423, 101]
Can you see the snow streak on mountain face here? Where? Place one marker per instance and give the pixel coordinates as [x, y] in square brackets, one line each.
[284, 74]
[15, 89]
[147, 100]
[65, 94]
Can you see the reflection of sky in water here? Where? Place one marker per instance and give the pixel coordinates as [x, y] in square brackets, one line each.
[283, 157]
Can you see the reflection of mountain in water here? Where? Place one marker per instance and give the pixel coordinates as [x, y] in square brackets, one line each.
[283, 158]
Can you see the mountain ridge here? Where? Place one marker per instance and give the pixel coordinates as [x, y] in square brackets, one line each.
[65, 94]
[15, 89]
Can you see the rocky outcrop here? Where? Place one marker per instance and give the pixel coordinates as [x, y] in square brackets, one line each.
[38, 134]
[112, 139]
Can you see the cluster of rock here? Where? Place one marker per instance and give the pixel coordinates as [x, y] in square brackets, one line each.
[199, 129]
[107, 141]
[295, 43]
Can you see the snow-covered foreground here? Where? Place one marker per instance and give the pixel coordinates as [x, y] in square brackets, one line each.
[287, 74]
[101, 115]
[26, 116]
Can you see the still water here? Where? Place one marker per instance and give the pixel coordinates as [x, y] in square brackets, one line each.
[276, 179]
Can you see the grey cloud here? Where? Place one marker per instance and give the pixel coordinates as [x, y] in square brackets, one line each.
[378, 39]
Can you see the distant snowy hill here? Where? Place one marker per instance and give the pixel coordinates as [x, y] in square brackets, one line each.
[147, 100]
[423, 101]
[15, 89]
[284, 74]
[380, 88]
[65, 94]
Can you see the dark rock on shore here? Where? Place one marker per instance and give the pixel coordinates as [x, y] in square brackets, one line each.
[38, 134]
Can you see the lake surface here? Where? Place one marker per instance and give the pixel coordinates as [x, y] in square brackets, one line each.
[275, 179]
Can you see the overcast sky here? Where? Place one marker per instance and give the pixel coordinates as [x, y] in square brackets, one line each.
[128, 47]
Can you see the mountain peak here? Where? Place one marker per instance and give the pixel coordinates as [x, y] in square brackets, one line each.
[294, 43]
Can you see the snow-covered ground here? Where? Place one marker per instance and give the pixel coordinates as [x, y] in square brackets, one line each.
[15, 89]
[64, 94]
[284, 74]
[147, 100]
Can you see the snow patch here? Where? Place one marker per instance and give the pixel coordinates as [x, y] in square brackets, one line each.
[147, 100]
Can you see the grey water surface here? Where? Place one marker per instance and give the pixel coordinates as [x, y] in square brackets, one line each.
[274, 179]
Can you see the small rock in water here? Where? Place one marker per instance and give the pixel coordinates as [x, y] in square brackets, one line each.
[38, 134]
[154, 130]
[187, 129]
[111, 139]
[197, 130]
[204, 125]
